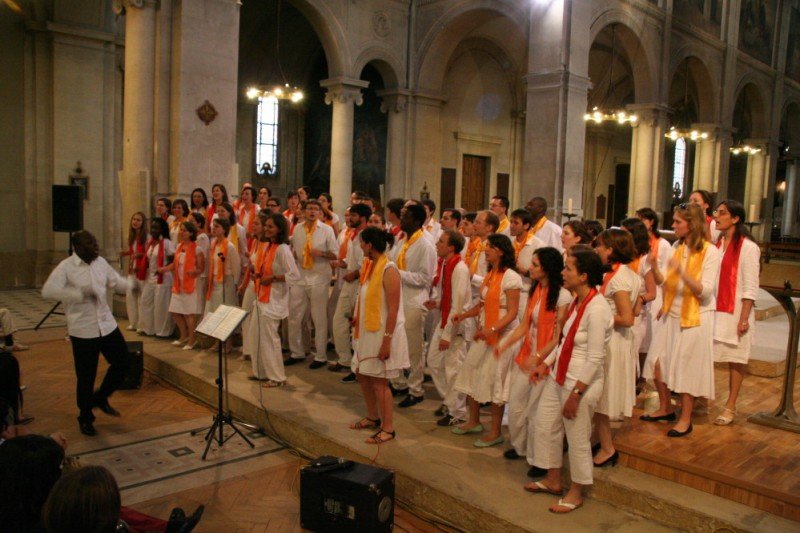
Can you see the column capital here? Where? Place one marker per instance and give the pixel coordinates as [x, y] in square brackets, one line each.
[394, 100]
[544, 81]
[344, 90]
[119, 6]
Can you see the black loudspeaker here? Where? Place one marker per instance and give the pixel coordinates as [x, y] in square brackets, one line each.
[341, 495]
[67, 208]
[133, 378]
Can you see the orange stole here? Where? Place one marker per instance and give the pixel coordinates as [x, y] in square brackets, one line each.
[185, 284]
[217, 269]
[545, 326]
[264, 267]
[491, 303]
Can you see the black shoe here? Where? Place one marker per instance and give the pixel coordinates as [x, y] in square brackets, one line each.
[511, 454]
[331, 346]
[317, 364]
[193, 519]
[87, 428]
[426, 378]
[336, 367]
[107, 409]
[293, 361]
[676, 433]
[595, 449]
[398, 392]
[410, 400]
[670, 417]
[441, 411]
[611, 461]
[448, 421]
[349, 378]
[535, 472]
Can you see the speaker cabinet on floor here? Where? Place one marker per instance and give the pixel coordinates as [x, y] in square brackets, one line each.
[340, 495]
[67, 208]
[133, 377]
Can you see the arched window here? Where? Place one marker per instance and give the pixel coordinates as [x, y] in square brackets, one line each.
[679, 169]
[267, 132]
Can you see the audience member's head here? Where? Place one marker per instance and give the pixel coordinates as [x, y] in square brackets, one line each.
[86, 500]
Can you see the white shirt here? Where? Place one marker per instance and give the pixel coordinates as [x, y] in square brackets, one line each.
[418, 274]
[460, 298]
[550, 234]
[524, 260]
[284, 265]
[323, 240]
[708, 278]
[726, 324]
[87, 318]
[433, 228]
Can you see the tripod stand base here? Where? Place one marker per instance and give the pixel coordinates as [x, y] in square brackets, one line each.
[216, 434]
[50, 312]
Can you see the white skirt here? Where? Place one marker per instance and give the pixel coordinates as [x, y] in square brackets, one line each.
[484, 376]
[184, 304]
[686, 355]
[619, 366]
[732, 353]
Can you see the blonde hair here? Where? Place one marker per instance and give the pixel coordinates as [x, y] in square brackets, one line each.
[695, 216]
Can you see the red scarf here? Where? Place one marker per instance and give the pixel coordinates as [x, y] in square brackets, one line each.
[397, 233]
[569, 341]
[137, 266]
[444, 271]
[608, 276]
[185, 284]
[265, 291]
[210, 212]
[726, 291]
[249, 229]
[159, 257]
[545, 325]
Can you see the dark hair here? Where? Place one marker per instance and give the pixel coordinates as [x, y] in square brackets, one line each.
[417, 213]
[589, 263]
[276, 199]
[455, 239]
[379, 239]
[552, 264]
[708, 199]
[224, 224]
[191, 228]
[361, 210]
[139, 236]
[736, 209]
[199, 218]
[223, 189]
[593, 228]
[641, 238]
[648, 214]
[523, 215]
[621, 244]
[292, 194]
[269, 191]
[205, 198]
[231, 213]
[29, 467]
[253, 193]
[184, 206]
[312, 201]
[491, 219]
[86, 500]
[455, 214]
[503, 243]
[379, 213]
[580, 231]
[470, 217]
[430, 204]
[395, 206]
[166, 201]
[306, 189]
[503, 200]
[361, 195]
[328, 197]
[283, 227]
[163, 227]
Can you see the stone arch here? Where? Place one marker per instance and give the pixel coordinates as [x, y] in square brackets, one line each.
[790, 124]
[446, 33]
[700, 87]
[385, 62]
[638, 53]
[329, 31]
[750, 108]
[702, 77]
[497, 54]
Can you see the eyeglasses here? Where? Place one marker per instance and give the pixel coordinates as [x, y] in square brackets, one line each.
[684, 206]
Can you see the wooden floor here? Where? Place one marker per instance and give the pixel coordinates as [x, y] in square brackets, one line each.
[751, 464]
[264, 500]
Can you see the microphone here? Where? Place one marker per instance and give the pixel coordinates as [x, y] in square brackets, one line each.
[221, 256]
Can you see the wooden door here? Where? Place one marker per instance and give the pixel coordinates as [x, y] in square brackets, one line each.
[473, 182]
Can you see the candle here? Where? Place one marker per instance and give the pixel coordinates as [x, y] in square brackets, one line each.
[569, 206]
[752, 212]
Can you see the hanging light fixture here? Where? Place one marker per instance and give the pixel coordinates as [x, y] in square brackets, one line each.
[282, 91]
[683, 129]
[745, 149]
[620, 116]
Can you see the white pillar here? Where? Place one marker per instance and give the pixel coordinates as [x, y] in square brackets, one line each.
[790, 199]
[754, 189]
[342, 93]
[705, 159]
[137, 128]
[518, 138]
[395, 104]
[647, 157]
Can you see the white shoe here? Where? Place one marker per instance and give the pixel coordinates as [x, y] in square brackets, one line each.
[177, 343]
[131, 328]
[188, 347]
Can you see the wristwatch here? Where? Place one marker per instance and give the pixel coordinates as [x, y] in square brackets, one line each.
[577, 391]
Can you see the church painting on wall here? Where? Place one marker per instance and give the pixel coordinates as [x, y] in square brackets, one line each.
[756, 23]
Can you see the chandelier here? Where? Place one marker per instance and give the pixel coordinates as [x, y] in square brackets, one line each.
[683, 129]
[745, 149]
[686, 133]
[279, 92]
[620, 116]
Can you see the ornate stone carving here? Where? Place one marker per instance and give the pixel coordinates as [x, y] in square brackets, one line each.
[381, 24]
[119, 6]
[207, 113]
[394, 102]
[344, 95]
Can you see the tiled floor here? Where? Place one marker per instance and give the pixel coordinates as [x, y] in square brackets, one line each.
[28, 308]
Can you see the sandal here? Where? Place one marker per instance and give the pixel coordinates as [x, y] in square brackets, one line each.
[377, 439]
[271, 384]
[538, 486]
[366, 423]
[723, 420]
[569, 506]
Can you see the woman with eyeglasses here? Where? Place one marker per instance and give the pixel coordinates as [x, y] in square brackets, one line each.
[683, 348]
[736, 294]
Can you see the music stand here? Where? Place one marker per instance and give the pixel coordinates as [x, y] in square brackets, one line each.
[220, 325]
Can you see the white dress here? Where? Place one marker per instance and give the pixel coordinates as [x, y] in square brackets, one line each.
[184, 303]
[650, 311]
[686, 355]
[484, 376]
[728, 346]
[619, 365]
[225, 292]
[365, 360]
[639, 327]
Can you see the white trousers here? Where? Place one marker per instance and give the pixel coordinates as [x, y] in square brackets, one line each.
[341, 322]
[415, 327]
[444, 367]
[154, 315]
[523, 402]
[265, 341]
[248, 304]
[333, 300]
[548, 441]
[7, 322]
[132, 299]
[301, 299]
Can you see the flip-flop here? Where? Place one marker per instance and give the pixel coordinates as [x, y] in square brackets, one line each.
[271, 384]
[458, 430]
[567, 505]
[487, 444]
[539, 487]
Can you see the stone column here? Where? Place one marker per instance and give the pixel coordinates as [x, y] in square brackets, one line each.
[706, 166]
[517, 158]
[754, 189]
[395, 103]
[138, 106]
[647, 157]
[424, 149]
[598, 141]
[342, 93]
[790, 199]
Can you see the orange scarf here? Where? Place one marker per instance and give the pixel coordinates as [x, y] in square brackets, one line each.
[539, 225]
[248, 230]
[503, 225]
[219, 254]
[372, 275]
[518, 246]
[401, 257]
[349, 235]
[308, 259]
[185, 284]
[177, 223]
[264, 267]
[545, 326]
[608, 276]
[690, 306]
[491, 303]
[476, 255]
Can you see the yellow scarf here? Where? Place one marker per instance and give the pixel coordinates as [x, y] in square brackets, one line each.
[690, 307]
[539, 225]
[476, 255]
[308, 260]
[503, 225]
[401, 257]
[233, 235]
[518, 246]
